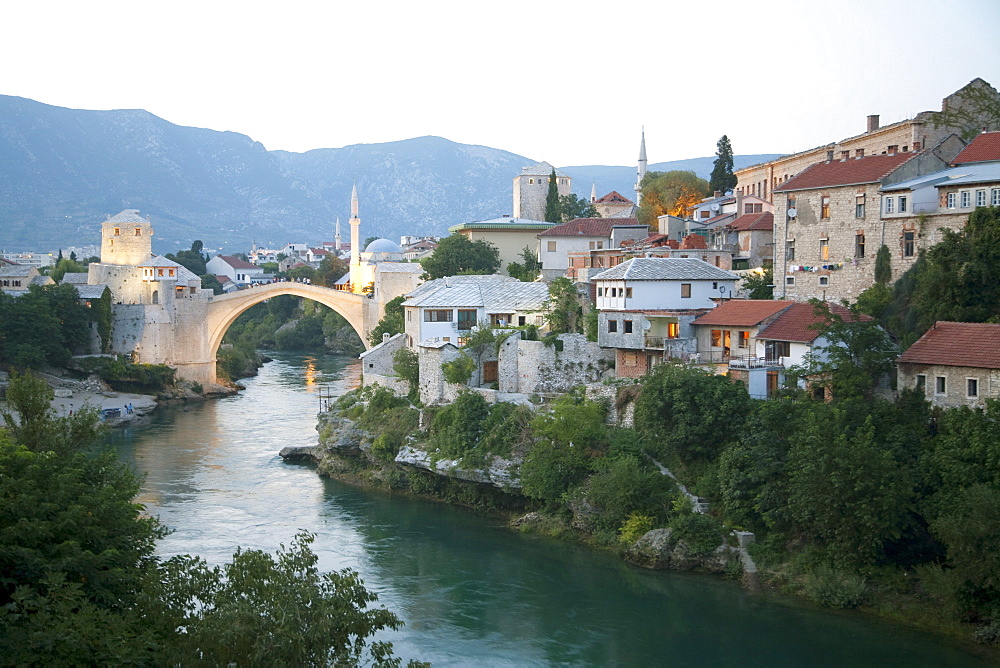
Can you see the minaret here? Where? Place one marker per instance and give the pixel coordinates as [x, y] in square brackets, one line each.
[641, 172]
[336, 238]
[593, 193]
[355, 228]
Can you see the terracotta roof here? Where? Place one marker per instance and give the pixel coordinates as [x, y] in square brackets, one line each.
[793, 324]
[984, 148]
[743, 312]
[317, 251]
[236, 263]
[694, 241]
[970, 344]
[587, 227]
[614, 197]
[870, 169]
[753, 221]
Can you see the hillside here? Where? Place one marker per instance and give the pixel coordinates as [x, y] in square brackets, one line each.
[63, 170]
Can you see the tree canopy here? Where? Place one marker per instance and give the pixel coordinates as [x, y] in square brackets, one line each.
[723, 179]
[457, 254]
[572, 207]
[193, 259]
[526, 271]
[670, 193]
[47, 325]
[552, 213]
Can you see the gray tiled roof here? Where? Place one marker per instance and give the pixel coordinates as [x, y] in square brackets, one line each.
[499, 294]
[90, 291]
[158, 261]
[541, 169]
[127, 217]
[969, 174]
[15, 270]
[75, 278]
[665, 269]
[400, 267]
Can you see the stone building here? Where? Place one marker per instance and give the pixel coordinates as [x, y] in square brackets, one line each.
[953, 364]
[531, 187]
[581, 235]
[614, 205]
[828, 224]
[509, 235]
[910, 135]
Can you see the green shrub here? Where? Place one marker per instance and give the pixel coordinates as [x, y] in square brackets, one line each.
[459, 370]
[455, 429]
[835, 589]
[625, 485]
[701, 533]
[635, 527]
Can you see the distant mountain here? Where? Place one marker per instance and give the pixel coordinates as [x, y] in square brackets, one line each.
[63, 170]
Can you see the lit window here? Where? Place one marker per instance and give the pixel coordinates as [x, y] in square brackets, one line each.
[138, 231]
[859, 244]
[685, 290]
[673, 330]
[159, 272]
[171, 272]
[940, 385]
[824, 249]
[972, 387]
[118, 231]
[744, 339]
[716, 338]
[531, 182]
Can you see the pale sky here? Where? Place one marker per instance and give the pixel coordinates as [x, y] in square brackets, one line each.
[567, 82]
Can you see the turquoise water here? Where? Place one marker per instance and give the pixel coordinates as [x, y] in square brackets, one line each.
[471, 591]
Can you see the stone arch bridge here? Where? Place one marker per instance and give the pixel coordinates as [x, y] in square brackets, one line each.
[196, 339]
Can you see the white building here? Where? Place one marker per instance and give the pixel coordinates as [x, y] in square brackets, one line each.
[236, 270]
[582, 235]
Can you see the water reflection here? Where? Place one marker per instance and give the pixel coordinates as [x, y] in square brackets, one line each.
[470, 591]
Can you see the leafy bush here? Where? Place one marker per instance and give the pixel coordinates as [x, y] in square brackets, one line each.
[625, 485]
[635, 527]
[835, 589]
[701, 533]
[456, 428]
[459, 370]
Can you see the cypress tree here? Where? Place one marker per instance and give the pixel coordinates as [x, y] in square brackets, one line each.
[723, 178]
[883, 268]
[552, 212]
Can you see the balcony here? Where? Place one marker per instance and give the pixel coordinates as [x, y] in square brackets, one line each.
[750, 362]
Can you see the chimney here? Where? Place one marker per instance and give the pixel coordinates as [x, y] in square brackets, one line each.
[718, 193]
[872, 122]
[829, 156]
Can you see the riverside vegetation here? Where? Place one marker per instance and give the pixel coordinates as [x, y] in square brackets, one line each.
[81, 584]
[858, 502]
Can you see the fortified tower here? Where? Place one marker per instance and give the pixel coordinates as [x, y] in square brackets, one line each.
[126, 239]
[531, 187]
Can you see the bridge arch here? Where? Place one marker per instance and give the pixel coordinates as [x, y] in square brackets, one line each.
[223, 310]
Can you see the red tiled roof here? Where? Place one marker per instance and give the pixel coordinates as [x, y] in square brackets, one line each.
[753, 221]
[743, 312]
[614, 197]
[319, 251]
[984, 148]
[588, 227]
[237, 263]
[222, 279]
[970, 344]
[870, 169]
[794, 323]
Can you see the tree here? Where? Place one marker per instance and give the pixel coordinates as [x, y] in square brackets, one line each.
[406, 364]
[855, 355]
[330, 270]
[760, 286]
[883, 266]
[723, 180]
[391, 323]
[670, 192]
[691, 412]
[457, 254]
[45, 326]
[63, 267]
[193, 259]
[563, 310]
[572, 207]
[552, 212]
[528, 271]
[211, 282]
[977, 108]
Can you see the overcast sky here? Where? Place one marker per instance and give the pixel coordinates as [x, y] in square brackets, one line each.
[567, 82]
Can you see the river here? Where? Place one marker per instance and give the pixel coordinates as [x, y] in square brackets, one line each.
[470, 591]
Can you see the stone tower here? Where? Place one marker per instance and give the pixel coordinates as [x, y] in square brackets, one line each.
[126, 239]
[641, 170]
[531, 187]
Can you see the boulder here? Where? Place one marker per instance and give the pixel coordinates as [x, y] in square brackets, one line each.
[499, 472]
[299, 453]
[659, 549]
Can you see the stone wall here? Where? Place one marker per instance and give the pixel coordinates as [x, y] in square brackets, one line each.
[433, 387]
[956, 383]
[530, 367]
[379, 360]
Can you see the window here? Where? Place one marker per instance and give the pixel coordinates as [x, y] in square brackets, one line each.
[859, 206]
[600, 292]
[824, 207]
[716, 338]
[893, 148]
[531, 182]
[438, 315]
[890, 205]
[902, 204]
[776, 349]
[612, 326]
[824, 249]
[909, 243]
[118, 231]
[466, 318]
[790, 207]
[159, 272]
[972, 387]
[859, 244]
[522, 320]
[995, 197]
[951, 200]
[844, 155]
[790, 249]
[748, 208]
[921, 383]
[940, 385]
[409, 315]
[593, 245]
[673, 330]
[550, 246]
[744, 339]
[170, 272]
[705, 214]
[628, 293]
[138, 231]
[685, 290]
[980, 198]
[501, 319]
[966, 199]
[824, 281]
[627, 324]
[859, 153]
[789, 280]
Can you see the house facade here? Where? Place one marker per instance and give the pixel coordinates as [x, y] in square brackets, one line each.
[509, 235]
[583, 235]
[953, 364]
[240, 272]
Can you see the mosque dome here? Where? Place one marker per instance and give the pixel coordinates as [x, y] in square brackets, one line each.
[383, 246]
